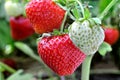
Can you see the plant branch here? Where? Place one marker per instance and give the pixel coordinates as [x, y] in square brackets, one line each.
[86, 68]
[81, 6]
[1, 76]
[9, 69]
[63, 22]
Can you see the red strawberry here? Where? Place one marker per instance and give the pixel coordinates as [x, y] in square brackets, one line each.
[111, 35]
[10, 62]
[45, 15]
[21, 28]
[60, 54]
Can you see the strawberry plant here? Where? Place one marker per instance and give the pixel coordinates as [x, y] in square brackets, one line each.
[69, 35]
[85, 33]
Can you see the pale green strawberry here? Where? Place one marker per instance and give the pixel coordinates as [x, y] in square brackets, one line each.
[13, 9]
[88, 37]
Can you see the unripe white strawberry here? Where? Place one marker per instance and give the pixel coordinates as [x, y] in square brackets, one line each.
[86, 36]
[13, 9]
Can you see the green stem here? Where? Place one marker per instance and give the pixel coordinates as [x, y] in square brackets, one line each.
[107, 9]
[81, 6]
[1, 76]
[9, 69]
[86, 68]
[63, 22]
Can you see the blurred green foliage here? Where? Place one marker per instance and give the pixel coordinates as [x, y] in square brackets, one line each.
[2, 10]
[5, 37]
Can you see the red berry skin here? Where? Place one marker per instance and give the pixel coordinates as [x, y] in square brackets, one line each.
[45, 15]
[111, 35]
[10, 62]
[21, 28]
[60, 54]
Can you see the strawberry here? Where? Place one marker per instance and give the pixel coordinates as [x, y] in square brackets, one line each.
[60, 54]
[10, 62]
[21, 28]
[111, 35]
[45, 15]
[13, 9]
[86, 36]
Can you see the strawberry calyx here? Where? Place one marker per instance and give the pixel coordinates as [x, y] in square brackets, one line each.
[92, 21]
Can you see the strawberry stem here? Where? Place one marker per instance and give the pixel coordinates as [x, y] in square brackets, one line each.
[63, 22]
[107, 9]
[86, 68]
[81, 6]
[9, 69]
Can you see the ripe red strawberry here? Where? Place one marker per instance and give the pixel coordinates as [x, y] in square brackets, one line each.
[111, 35]
[45, 15]
[21, 28]
[60, 54]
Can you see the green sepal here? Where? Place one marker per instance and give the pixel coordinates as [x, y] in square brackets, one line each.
[87, 13]
[56, 32]
[66, 31]
[97, 20]
[104, 48]
[92, 22]
[76, 12]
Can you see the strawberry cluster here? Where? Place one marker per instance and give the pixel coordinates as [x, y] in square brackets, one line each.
[63, 53]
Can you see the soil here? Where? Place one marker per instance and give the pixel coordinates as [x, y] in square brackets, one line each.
[104, 70]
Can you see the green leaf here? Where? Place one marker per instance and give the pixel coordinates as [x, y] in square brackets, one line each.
[27, 50]
[19, 75]
[5, 37]
[104, 48]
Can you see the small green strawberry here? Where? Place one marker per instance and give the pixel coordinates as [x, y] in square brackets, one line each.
[13, 9]
[86, 36]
